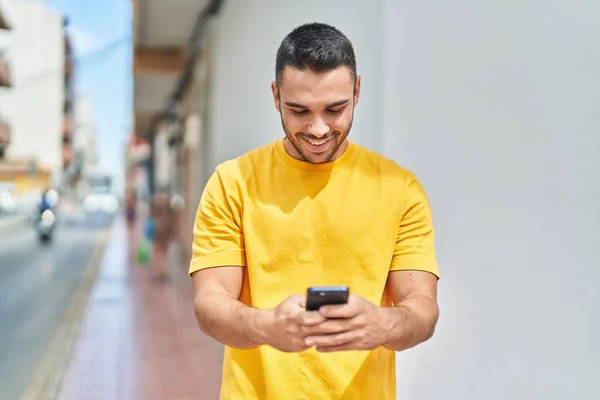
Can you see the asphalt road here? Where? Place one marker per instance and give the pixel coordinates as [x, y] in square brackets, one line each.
[37, 283]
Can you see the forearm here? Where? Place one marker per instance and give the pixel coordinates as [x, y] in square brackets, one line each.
[228, 321]
[411, 322]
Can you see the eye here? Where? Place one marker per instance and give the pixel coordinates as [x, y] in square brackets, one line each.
[298, 112]
[335, 111]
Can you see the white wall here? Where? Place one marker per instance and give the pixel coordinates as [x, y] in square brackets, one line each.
[33, 106]
[247, 37]
[495, 105]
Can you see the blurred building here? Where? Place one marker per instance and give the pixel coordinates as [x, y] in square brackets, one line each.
[34, 107]
[166, 67]
[4, 25]
[5, 84]
[136, 163]
[72, 165]
[84, 142]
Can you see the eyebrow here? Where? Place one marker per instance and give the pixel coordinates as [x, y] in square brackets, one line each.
[335, 104]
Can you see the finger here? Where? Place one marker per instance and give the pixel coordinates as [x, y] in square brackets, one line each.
[345, 347]
[309, 318]
[336, 339]
[302, 301]
[339, 311]
[329, 326]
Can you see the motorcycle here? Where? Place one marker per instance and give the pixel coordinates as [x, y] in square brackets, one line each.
[45, 224]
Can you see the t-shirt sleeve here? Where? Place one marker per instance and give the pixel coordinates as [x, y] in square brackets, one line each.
[218, 237]
[415, 249]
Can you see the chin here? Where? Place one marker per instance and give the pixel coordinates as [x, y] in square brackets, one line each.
[319, 158]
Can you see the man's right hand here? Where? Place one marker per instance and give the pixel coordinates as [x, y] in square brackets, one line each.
[285, 324]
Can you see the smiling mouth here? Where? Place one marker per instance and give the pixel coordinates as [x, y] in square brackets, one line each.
[318, 142]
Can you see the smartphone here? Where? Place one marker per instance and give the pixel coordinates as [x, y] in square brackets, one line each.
[318, 296]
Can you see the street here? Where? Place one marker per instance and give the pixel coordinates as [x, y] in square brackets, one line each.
[37, 284]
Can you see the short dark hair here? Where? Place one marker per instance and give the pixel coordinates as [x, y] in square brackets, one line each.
[316, 46]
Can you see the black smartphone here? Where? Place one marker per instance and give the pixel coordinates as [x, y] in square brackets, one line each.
[318, 296]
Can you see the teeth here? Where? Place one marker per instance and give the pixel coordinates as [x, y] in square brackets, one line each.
[317, 143]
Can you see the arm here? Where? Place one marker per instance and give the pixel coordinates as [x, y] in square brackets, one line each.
[411, 285]
[218, 264]
[415, 313]
[219, 313]
[217, 269]
[221, 316]
[413, 277]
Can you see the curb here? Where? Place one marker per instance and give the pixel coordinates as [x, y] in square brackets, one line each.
[49, 373]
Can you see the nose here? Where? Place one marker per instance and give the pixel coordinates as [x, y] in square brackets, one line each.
[318, 128]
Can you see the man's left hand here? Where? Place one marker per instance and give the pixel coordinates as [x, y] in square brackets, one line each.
[357, 325]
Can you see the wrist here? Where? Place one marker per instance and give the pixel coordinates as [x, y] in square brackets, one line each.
[391, 318]
[257, 323]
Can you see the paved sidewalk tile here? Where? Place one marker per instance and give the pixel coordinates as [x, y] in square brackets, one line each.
[140, 339]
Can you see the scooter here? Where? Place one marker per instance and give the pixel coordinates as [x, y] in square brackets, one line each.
[45, 224]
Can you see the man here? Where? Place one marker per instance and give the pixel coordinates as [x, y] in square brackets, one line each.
[44, 201]
[163, 219]
[131, 202]
[313, 209]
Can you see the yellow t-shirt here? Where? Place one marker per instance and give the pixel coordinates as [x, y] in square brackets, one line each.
[294, 225]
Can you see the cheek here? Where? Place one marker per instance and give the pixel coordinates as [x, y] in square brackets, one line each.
[341, 123]
[294, 125]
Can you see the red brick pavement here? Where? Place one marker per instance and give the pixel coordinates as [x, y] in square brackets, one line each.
[139, 338]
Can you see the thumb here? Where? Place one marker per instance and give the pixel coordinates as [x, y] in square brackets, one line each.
[298, 300]
[302, 301]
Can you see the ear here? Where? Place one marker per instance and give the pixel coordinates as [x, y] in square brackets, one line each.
[276, 98]
[357, 90]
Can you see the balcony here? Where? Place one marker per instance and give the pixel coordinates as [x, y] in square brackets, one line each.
[67, 130]
[69, 68]
[68, 108]
[68, 46]
[5, 76]
[67, 126]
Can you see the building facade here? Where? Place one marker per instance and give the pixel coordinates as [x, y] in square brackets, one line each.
[72, 163]
[5, 84]
[84, 142]
[34, 105]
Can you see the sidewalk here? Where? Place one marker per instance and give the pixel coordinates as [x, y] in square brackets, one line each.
[140, 339]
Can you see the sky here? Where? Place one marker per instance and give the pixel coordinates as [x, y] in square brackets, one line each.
[101, 32]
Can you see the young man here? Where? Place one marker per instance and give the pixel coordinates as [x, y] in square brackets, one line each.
[314, 209]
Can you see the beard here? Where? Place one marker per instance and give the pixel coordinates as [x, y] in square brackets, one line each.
[337, 138]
